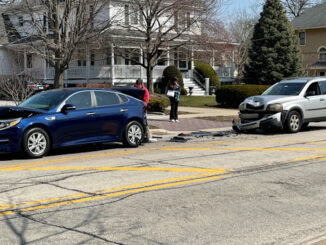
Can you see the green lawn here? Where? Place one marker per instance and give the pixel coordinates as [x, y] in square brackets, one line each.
[197, 101]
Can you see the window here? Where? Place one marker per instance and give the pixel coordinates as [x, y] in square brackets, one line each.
[92, 58]
[106, 98]
[81, 58]
[134, 15]
[313, 90]
[45, 22]
[302, 38]
[322, 54]
[109, 56]
[29, 61]
[81, 100]
[127, 15]
[162, 58]
[21, 20]
[322, 86]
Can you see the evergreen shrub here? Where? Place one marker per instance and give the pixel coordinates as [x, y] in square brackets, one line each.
[207, 71]
[168, 74]
[232, 95]
[157, 103]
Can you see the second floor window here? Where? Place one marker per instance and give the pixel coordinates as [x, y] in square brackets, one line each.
[302, 38]
[133, 15]
[322, 54]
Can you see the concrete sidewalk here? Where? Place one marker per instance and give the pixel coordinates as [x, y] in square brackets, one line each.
[192, 119]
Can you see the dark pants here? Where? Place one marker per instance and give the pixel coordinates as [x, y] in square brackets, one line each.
[174, 109]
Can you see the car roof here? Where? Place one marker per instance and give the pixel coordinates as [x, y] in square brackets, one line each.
[302, 79]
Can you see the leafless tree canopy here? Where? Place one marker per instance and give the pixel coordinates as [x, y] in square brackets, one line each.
[295, 7]
[166, 25]
[55, 28]
[241, 32]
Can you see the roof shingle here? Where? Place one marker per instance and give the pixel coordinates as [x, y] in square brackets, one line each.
[313, 17]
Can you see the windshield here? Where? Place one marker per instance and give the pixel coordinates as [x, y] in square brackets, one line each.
[44, 100]
[285, 89]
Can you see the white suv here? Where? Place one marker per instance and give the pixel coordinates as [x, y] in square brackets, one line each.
[290, 104]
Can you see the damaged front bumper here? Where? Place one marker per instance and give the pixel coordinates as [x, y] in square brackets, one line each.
[270, 121]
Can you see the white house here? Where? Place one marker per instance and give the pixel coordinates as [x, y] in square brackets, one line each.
[103, 62]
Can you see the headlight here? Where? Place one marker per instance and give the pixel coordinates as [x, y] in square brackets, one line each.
[275, 108]
[241, 107]
[4, 124]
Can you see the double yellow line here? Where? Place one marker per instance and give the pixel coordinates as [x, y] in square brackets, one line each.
[209, 174]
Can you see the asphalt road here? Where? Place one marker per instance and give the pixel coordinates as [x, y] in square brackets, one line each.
[237, 189]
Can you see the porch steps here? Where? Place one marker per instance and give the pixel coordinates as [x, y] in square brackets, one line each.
[196, 91]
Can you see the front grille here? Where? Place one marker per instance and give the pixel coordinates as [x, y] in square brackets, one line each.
[251, 107]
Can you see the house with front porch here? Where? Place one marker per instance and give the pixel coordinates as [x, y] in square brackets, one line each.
[310, 28]
[113, 61]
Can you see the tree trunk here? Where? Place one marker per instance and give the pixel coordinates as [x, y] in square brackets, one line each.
[58, 76]
[149, 74]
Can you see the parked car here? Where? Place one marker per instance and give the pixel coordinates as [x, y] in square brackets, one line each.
[37, 86]
[70, 117]
[290, 104]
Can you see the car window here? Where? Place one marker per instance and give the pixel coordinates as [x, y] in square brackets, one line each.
[123, 98]
[313, 89]
[81, 100]
[322, 86]
[106, 98]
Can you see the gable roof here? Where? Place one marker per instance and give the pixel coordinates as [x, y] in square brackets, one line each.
[311, 18]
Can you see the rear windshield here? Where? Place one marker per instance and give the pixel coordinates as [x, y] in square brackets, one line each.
[285, 89]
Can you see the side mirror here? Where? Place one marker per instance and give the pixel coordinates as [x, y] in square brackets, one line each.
[68, 107]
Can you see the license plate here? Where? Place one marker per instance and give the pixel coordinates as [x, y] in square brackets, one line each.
[249, 116]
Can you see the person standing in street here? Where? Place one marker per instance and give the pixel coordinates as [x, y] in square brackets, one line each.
[173, 92]
[140, 84]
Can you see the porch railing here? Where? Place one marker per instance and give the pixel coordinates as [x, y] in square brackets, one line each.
[98, 72]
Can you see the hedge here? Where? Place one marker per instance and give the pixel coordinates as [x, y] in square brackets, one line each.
[168, 74]
[233, 95]
[207, 71]
[157, 103]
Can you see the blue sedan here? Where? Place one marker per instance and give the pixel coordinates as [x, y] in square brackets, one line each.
[70, 117]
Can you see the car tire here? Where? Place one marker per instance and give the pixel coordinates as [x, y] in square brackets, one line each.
[293, 122]
[36, 143]
[133, 134]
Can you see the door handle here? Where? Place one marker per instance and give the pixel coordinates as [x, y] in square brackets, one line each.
[124, 110]
[322, 99]
[90, 113]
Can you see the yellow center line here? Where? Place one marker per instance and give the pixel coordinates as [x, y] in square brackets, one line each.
[83, 197]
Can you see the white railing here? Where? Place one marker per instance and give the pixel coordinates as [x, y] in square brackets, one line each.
[95, 72]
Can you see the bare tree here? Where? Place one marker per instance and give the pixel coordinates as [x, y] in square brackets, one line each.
[15, 87]
[55, 28]
[295, 7]
[241, 30]
[162, 25]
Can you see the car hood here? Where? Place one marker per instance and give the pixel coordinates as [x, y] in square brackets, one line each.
[260, 100]
[11, 112]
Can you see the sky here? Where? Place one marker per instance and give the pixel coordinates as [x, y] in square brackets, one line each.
[235, 5]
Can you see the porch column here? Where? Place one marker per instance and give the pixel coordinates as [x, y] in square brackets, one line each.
[168, 57]
[142, 61]
[213, 58]
[192, 63]
[112, 63]
[88, 64]
[44, 65]
[65, 78]
[25, 61]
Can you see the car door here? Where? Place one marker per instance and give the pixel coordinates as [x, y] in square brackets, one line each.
[322, 85]
[77, 126]
[111, 115]
[314, 103]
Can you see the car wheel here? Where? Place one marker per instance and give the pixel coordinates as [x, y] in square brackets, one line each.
[36, 143]
[293, 122]
[133, 135]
